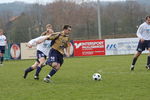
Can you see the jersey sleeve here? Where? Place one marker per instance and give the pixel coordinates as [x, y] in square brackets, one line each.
[139, 32]
[34, 41]
[53, 36]
[68, 43]
[5, 40]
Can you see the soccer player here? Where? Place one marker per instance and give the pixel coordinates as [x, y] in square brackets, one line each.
[143, 33]
[3, 44]
[60, 41]
[43, 49]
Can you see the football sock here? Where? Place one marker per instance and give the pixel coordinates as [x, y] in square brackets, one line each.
[52, 72]
[38, 71]
[26, 71]
[29, 69]
[148, 60]
[2, 59]
[134, 61]
[48, 76]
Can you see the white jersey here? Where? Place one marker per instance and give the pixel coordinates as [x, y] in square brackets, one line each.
[3, 41]
[143, 31]
[44, 46]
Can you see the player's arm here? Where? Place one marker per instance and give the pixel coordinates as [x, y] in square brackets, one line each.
[68, 49]
[42, 39]
[36, 41]
[46, 37]
[53, 36]
[6, 44]
[139, 32]
[31, 43]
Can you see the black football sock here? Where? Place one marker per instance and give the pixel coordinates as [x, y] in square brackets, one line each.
[134, 61]
[148, 60]
[26, 71]
[52, 72]
[38, 71]
[29, 69]
[2, 59]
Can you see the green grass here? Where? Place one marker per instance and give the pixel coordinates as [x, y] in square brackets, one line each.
[74, 80]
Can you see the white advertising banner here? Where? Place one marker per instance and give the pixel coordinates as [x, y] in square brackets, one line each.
[121, 46]
[27, 53]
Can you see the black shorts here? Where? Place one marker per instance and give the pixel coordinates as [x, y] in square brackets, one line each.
[143, 45]
[2, 49]
[40, 54]
[55, 56]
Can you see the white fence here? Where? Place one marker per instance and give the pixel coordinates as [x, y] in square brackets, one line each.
[121, 46]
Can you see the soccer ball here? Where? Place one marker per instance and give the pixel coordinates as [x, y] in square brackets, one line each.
[96, 76]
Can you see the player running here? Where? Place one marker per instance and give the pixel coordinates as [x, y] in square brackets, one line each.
[60, 41]
[43, 49]
[143, 34]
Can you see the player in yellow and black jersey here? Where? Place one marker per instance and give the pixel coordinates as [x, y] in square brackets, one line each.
[60, 41]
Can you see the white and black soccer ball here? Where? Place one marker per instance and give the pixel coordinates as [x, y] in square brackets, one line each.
[97, 76]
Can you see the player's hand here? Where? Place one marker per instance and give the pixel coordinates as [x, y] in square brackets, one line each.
[28, 45]
[48, 36]
[142, 40]
[67, 55]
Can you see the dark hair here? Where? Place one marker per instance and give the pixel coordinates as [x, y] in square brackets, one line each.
[147, 17]
[66, 26]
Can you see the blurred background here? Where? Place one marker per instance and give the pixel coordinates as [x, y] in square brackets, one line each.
[90, 19]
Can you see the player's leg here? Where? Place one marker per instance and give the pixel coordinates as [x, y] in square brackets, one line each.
[0, 58]
[55, 60]
[39, 67]
[34, 66]
[2, 51]
[148, 57]
[135, 59]
[141, 47]
[148, 60]
[55, 68]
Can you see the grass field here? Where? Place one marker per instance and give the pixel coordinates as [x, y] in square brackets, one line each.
[74, 80]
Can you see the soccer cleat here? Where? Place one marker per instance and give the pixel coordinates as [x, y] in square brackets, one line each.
[148, 67]
[47, 80]
[1, 63]
[132, 68]
[36, 77]
[25, 75]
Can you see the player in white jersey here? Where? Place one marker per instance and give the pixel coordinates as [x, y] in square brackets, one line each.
[43, 49]
[143, 33]
[3, 44]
